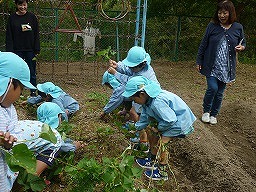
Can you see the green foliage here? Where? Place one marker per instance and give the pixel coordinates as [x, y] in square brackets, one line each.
[96, 99]
[64, 128]
[60, 164]
[21, 156]
[30, 181]
[104, 132]
[113, 174]
[119, 176]
[21, 159]
[47, 134]
[106, 53]
[85, 175]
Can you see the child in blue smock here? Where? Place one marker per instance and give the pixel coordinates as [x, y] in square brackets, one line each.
[116, 98]
[14, 76]
[168, 116]
[136, 63]
[45, 151]
[52, 93]
[50, 113]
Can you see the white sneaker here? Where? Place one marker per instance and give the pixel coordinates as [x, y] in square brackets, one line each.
[206, 117]
[213, 120]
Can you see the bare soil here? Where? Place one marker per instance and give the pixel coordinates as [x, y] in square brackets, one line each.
[213, 158]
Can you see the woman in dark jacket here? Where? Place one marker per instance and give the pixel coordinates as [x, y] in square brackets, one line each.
[22, 37]
[216, 58]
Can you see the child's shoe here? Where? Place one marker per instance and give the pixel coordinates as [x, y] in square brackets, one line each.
[143, 147]
[146, 163]
[156, 175]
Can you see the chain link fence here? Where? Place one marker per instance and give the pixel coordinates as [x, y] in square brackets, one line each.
[64, 49]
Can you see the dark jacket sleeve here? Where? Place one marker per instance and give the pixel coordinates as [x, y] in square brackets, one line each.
[37, 37]
[9, 38]
[203, 46]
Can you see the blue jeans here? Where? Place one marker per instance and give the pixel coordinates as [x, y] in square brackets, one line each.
[28, 58]
[213, 96]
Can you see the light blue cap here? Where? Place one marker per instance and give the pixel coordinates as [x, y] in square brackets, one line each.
[50, 88]
[12, 66]
[48, 113]
[135, 56]
[148, 58]
[111, 79]
[140, 83]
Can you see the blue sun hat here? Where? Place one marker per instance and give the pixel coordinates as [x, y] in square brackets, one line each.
[148, 58]
[48, 113]
[12, 66]
[50, 88]
[135, 56]
[140, 83]
[111, 79]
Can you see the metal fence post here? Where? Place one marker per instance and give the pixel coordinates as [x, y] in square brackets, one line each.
[137, 23]
[56, 35]
[176, 50]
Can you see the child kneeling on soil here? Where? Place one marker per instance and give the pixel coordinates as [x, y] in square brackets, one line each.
[116, 98]
[136, 63]
[50, 113]
[170, 116]
[52, 93]
[44, 151]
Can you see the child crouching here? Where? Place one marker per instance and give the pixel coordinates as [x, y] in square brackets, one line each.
[50, 113]
[167, 114]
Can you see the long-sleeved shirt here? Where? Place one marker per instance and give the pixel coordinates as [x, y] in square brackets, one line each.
[208, 48]
[22, 33]
[123, 74]
[8, 120]
[171, 113]
[115, 100]
[64, 101]
[147, 72]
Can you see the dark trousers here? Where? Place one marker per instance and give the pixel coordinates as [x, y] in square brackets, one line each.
[29, 58]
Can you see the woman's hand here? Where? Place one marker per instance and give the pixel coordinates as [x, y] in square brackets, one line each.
[198, 67]
[239, 48]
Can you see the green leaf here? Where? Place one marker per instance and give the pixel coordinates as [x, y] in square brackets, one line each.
[36, 183]
[21, 157]
[136, 172]
[30, 181]
[105, 54]
[48, 134]
[108, 177]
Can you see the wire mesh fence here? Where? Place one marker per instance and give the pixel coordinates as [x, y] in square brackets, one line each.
[64, 46]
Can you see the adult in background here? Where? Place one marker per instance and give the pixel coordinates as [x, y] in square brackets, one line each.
[22, 37]
[216, 58]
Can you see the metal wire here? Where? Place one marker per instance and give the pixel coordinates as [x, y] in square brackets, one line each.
[126, 7]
